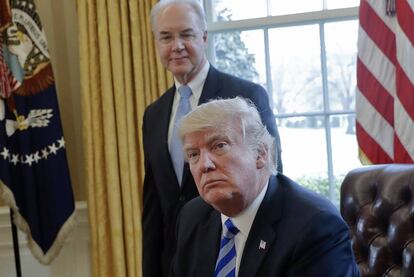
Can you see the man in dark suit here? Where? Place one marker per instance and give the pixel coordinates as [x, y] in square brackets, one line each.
[268, 224]
[179, 29]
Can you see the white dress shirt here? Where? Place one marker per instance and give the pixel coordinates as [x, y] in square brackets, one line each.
[196, 86]
[244, 222]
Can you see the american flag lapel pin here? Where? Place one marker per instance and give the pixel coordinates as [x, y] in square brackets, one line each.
[262, 245]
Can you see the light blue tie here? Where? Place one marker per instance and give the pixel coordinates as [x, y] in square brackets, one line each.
[226, 261]
[176, 147]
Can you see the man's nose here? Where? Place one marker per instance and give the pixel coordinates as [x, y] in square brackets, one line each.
[206, 162]
[177, 44]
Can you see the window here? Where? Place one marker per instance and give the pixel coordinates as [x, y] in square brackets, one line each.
[304, 53]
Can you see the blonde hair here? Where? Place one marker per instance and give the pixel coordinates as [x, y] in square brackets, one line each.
[213, 114]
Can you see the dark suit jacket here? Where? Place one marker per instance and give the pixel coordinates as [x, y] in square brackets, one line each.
[162, 196]
[304, 234]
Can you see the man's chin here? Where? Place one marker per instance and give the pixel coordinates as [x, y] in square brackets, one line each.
[180, 71]
[215, 197]
[180, 68]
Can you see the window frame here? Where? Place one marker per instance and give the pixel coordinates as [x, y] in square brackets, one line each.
[265, 23]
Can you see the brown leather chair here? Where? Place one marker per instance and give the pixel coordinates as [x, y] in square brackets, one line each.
[377, 202]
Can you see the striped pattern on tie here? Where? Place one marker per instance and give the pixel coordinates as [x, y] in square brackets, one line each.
[226, 261]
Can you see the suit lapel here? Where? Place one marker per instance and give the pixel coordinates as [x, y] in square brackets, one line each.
[263, 232]
[163, 152]
[211, 87]
[209, 241]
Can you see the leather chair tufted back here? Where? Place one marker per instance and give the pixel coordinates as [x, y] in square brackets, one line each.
[377, 202]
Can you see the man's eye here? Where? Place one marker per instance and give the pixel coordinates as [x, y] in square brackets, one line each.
[221, 146]
[192, 156]
[165, 39]
[188, 36]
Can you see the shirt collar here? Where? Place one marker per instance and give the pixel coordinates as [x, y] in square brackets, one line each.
[244, 220]
[197, 83]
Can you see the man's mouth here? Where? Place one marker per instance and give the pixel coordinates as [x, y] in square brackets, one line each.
[177, 59]
[212, 183]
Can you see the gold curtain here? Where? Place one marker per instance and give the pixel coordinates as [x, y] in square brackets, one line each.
[120, 76]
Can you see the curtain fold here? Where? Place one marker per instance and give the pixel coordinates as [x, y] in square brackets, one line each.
[120, 75]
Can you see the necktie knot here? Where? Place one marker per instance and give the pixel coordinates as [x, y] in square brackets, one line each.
[185, 92]
[230, 230]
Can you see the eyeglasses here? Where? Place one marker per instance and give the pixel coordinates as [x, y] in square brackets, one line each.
[167, 38]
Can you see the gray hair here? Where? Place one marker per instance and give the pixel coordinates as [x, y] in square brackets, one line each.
[195, 4]
[213, 114]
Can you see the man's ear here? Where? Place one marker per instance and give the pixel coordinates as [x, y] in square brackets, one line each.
[205, 35]
[261, 159]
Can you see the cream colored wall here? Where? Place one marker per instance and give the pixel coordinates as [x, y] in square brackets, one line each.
[59, 21]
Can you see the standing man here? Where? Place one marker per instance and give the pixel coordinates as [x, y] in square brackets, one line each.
[179, 28]
[249, 220]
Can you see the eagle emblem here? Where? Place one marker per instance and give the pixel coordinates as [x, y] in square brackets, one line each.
[25, 67]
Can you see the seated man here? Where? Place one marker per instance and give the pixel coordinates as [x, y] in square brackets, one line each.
[247, 221]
